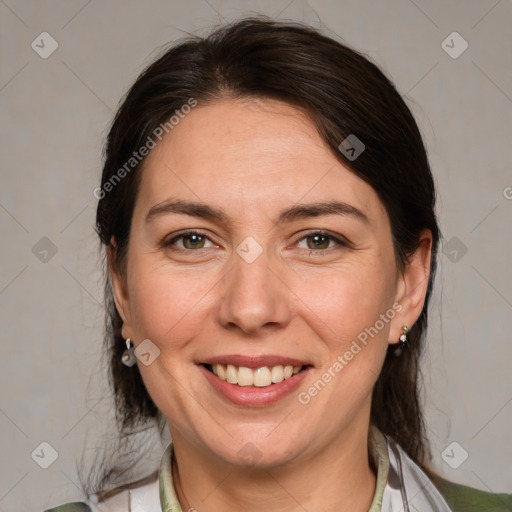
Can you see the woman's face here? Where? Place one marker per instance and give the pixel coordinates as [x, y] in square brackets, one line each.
[251, 245]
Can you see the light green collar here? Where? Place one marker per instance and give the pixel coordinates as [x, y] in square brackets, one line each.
[379, 451]
[168, 498]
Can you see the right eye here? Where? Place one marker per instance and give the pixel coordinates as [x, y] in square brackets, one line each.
[190, 240]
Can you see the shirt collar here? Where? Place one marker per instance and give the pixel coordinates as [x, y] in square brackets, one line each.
[168, 498]
[379, 451]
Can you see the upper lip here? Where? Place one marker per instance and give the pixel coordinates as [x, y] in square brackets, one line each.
[254, 361]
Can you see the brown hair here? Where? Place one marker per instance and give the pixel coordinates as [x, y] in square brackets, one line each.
[343, 93]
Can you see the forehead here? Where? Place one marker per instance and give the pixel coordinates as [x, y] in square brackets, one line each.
[250, 154]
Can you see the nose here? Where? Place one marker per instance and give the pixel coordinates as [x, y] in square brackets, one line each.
[254, 297]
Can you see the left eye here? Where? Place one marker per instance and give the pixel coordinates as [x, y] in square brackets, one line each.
[318, 241]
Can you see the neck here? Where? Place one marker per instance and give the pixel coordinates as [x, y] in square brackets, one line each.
[338, 478]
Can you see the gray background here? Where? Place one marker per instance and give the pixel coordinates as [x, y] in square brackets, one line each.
[55, 113]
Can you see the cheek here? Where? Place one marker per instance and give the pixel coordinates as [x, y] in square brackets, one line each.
[344, 311]
[165, 304]
[346, 301]
[169, 308]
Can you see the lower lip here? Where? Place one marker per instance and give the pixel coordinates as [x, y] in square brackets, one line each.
[253, 396]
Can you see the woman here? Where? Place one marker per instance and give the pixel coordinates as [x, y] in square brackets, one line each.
[267, 210]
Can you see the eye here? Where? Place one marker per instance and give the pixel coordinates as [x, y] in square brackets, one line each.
[190, 240]
[318, 241]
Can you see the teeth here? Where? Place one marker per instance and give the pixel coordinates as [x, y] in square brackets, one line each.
[277, 374]
[221, 373]
[231, 374]
[245, 376]
[261, 377]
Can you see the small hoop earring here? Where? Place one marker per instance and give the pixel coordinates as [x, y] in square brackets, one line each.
[402, 341]
[128, 358]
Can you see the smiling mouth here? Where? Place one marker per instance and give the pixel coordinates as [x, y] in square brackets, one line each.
[259, 377]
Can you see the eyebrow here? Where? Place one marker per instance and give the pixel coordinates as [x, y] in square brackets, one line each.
[300, 211]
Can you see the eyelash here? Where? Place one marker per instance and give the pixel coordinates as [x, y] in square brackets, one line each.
[339, 243]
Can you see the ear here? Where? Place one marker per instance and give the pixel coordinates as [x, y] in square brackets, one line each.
[120, 289]
[412, 286]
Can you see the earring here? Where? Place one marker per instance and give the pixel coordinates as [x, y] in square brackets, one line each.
[402, 341]
[128, 357]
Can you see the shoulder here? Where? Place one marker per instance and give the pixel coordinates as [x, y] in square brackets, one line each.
[76, 506]
[462, 498]
[139, 497]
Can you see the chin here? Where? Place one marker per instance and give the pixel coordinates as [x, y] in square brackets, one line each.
[258, 451]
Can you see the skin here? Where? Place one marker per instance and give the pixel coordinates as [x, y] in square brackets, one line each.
[255, 158]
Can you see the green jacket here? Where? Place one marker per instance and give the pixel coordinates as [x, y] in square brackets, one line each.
[462, 498]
